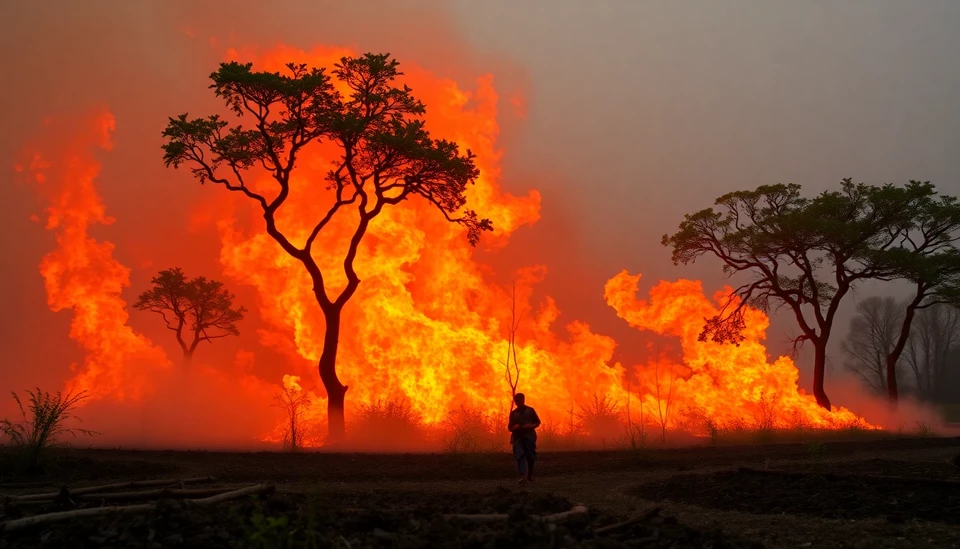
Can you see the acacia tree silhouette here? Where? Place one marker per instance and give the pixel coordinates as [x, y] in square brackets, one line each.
[387, 157]
[806, 254]
[195, 310]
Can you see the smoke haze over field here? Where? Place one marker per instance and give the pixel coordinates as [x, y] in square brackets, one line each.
[622, 115]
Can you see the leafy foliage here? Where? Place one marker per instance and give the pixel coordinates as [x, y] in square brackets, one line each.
[798, 251]
[199, 307]
[926, 256]
[802, 253]
[388, 155]
[45, 424]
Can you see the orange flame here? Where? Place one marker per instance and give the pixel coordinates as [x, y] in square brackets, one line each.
[82, 274]
[427, 326]
[724, 383]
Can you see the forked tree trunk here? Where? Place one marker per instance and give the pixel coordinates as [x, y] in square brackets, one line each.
[819, 367]
[894, 356]
[336, 424]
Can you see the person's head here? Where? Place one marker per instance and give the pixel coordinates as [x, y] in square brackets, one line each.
[519, 399]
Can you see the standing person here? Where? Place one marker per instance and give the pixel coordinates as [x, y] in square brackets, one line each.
[523, 425]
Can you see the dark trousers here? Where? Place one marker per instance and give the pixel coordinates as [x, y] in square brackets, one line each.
[525, 452]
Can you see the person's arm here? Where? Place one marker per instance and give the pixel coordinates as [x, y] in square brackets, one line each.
[536, 419]
[510, 424]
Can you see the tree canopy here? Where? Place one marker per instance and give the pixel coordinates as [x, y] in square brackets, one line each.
[386, 156]
[195, 310]
[926, 256]
[801, 253]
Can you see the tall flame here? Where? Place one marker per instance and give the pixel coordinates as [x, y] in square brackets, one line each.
[82, 274]
[723, 383]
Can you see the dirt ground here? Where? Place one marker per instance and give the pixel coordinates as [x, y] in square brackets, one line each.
[882, 493]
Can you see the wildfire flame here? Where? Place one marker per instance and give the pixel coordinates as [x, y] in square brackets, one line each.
[427, 325]
[82, 274]
[723, 383]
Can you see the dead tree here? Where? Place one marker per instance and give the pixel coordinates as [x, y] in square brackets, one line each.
[512, 369]
[294, 401]
[638, 435]
[663, 409]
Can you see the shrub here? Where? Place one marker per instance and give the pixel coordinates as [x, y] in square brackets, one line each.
[44, 426]
[923, 430]
[295, 403]
[601, 418]
[388, 425]
[471, 430]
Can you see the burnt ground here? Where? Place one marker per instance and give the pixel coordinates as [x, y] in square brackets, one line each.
[787, 495]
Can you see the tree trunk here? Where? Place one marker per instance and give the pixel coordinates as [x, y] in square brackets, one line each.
[336, 425]
[819, 367]
[894, 356]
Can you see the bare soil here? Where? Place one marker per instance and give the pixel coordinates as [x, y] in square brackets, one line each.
[827, 496]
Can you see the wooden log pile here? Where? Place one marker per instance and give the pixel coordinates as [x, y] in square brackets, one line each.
[160, 492]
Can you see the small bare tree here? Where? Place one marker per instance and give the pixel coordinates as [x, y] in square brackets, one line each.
[294, 401]
[512, 369]
[663, 408]
[637, 435]
[765, 417]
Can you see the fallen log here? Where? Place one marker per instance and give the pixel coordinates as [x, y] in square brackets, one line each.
[170, 493]
[111, 487]
[629, 522]
[50, 518]
[24, 485]
[163, 493]
[849, 476]
[235, 494]
[577, 510]
[773, 472]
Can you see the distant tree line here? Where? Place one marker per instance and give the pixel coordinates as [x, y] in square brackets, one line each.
[808, 254]
[930, 362]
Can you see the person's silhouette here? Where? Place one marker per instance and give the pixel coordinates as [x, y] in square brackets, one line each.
[523, 425]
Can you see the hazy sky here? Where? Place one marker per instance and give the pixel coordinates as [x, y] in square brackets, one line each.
[638, 111]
